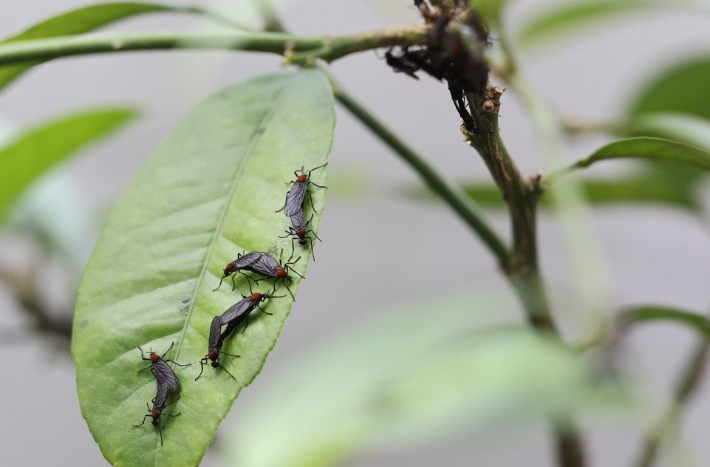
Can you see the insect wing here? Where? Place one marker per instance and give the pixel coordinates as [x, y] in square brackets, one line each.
[266, 266]
[161, 397]
[243, 262]
[294, 199]
[215, 328]
[297, 220]
[237, 312]
[165, 375]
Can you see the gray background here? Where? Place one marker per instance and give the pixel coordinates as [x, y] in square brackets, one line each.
[650, 254]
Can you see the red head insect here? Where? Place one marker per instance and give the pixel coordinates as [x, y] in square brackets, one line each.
[168, 383]
[161, 370]
[297, 194]
[214, 346]
[299, 230]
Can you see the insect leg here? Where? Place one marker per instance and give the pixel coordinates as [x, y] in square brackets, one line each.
[202, 367]
[142, 423]
[169, 349]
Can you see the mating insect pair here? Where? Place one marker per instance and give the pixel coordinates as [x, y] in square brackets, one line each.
[293, 208]
[232, 318]
[263, 264]
[168, 383]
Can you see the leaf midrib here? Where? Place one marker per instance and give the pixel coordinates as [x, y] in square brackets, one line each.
[228, 199]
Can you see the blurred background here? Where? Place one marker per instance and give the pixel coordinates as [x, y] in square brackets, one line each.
[393, 262]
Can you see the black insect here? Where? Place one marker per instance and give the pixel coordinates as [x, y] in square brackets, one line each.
[448, 57]
[264, 264]
[168, 383]
[240, 265]
[267, 266]
[297, 194]
[239, 312]
[161, 370]
[403, 63]
[214, 347]
[159, 404]
[299, 230]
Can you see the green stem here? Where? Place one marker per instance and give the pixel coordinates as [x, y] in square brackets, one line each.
[452, 194]
[303, 49]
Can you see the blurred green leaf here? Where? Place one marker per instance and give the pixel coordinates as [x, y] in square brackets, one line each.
[661, 313]
[656, 149]
[571, 16]
[418, 375]
[684, 128]
[208, 193]
[646, 187]
[32, 153]
[77, 21]
[681, 88]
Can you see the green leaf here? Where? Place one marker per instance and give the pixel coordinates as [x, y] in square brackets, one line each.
[208, 193]
[684, 128]
[77, 21]
[661, 313]
[655, 149]
[571, 16]
[418, 375]
[646, 187]
[681, 88]
[32, 153]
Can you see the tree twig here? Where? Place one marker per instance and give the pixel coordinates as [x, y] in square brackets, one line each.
[300, 50]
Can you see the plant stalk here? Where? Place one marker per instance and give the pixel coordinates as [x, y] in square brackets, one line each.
[299, 50]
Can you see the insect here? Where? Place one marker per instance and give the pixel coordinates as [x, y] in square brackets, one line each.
[159, 404]
[267, 266]
[239, 312]
[299, 230]
[297, 194]
[214, 347]
[239, 265]
[261, 263]
[168, 383]
[402, 63]
[162, 371]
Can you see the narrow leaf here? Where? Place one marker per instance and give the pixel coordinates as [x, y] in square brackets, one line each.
[571, 16]
[32, 153]
[684, 128]
[646, 187]
[681, 88]
[77, 21]
[661, 313]
[208, 193]
[656, 149]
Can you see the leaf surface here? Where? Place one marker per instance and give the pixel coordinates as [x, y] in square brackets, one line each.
[662, 313]
[656, 149]
[209, 192]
